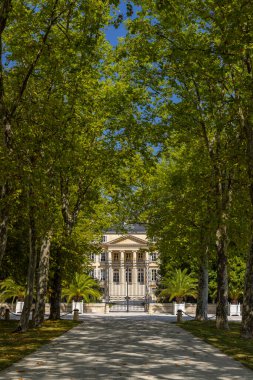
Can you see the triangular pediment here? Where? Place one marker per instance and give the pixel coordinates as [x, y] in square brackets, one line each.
[127, 240]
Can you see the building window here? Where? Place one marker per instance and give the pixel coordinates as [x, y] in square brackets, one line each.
[153, 274]
[104, 239]
[128, 257]
[92, 273]
[141, 276]
[116, 275]
[102, 274]
[153, 256]
[128, 275]
[140, 256]
[102, 257]
[116, 256]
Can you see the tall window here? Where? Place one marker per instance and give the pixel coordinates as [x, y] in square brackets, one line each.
[129, 275]
[153, 256]
[128, 257]
[141, 276]
[102, 257]
[102, 274]
[116, 276]
[140, 256]
[93, 273]
[104, 239]
[116, 256]
[153, 274]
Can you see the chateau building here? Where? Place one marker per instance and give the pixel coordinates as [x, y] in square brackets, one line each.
[127, 269]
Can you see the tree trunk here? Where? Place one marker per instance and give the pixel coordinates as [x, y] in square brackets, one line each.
[69, 219]
[5, 9]
[55, 299]
[42, 280]
[222, 278]
[24, 320]
[4, 221]
[3, 226]
[247, 310]
[202, 301]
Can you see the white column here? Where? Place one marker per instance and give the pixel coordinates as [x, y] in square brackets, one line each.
[122, 274]
[121, 268]
[134, 275]
[109, 273]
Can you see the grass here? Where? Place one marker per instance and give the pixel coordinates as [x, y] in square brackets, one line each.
[14, 346]
[228, 341]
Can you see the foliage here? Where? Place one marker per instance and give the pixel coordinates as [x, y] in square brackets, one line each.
[237, 269]
[9, 289]
[82, 287]
[212, 284]
[179, 285]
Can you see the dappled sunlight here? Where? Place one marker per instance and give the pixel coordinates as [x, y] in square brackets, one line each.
[127, 348]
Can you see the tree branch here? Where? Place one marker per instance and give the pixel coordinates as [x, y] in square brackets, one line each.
[30, 70]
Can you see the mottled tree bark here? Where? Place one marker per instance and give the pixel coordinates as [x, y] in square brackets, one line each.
[42, 280]
[56, 288]
[247, 310]
[4, 213]
[202, 301]
[222, 195]
[222, 278]
[246, 120]
[24, 319]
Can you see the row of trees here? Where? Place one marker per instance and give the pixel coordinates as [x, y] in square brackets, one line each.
[195, 60]
[67, 142]
[79, 121]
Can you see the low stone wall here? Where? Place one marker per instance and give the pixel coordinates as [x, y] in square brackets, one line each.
[211, 308]
[87, 308]
[164, 308]
[94, 307]
[190, 308]
[167, 308]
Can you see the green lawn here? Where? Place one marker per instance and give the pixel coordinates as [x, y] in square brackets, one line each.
[14, 346]
[228, 341]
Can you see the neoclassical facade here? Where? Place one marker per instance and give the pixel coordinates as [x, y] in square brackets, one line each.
[127, 269]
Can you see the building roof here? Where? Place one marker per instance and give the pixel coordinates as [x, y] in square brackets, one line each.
[127, 228]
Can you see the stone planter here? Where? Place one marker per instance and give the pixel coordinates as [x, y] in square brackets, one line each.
[234, 309]
[19, 306]
[77, 305]
[178, 306]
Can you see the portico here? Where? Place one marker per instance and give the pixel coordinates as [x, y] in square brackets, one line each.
[126, 268]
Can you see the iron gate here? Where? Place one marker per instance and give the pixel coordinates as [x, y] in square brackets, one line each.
[131, 306]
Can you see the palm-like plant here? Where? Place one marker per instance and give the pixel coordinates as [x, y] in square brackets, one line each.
[180, 285]
[83, 287]
[9, 289]
[235, 292]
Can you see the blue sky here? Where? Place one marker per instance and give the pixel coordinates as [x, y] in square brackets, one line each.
[112, 33]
